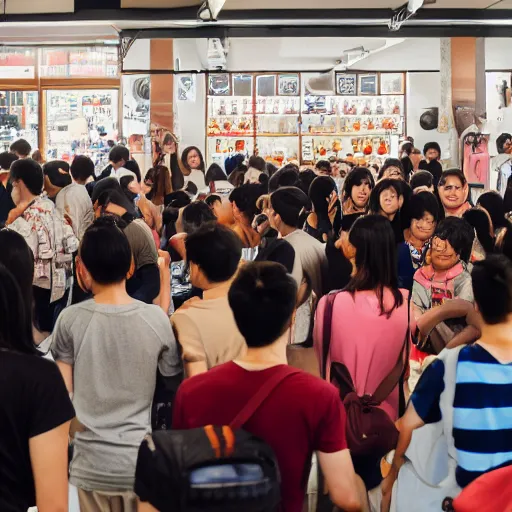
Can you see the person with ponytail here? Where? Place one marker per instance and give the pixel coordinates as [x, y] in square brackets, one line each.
[289, 208]
[325, 219]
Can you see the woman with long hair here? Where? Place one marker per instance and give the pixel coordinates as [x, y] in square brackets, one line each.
[157, 184]
[35, 409]
[369, 321]
[325, 219]
[194, 168]
[166, 150]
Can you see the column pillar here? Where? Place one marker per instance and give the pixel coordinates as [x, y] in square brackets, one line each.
[162, 85]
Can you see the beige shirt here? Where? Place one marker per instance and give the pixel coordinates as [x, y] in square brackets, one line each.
[207, 331]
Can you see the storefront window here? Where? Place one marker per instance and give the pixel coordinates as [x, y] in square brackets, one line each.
[18, 118]
[101, 61]
[81, 122]
[17, 63]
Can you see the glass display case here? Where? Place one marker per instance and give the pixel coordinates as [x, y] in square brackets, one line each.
[19, 111]
[81, 122]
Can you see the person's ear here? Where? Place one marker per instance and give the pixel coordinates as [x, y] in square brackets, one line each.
[400, 202]
[466, 191]
[131, 271]
[83, 277]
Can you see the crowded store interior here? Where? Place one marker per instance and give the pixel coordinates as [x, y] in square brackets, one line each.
[255, 259]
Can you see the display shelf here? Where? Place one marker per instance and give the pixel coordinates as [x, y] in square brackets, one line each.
[232, 135]
[351, 134]
[277, 135]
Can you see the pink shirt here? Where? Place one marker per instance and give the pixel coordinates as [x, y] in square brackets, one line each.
[367, 342]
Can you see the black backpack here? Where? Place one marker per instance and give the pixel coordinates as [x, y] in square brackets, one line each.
[214, 468]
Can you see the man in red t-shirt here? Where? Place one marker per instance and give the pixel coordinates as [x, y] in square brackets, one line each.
[302, 415]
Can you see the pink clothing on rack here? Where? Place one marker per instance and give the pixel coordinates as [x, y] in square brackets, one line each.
[367, 342]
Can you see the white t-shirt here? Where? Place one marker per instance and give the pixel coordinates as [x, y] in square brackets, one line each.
[197, 178]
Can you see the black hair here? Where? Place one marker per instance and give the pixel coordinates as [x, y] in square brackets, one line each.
[432, 145]
[257, 162]
[132, 165]
[262, 298]
[195, 215]
[421, 179]
[355, 177]
[82, 168]
[323, 165]
[177, 199]
[245, 197]
[30, 173]
[118, 153]
[320, 192]
[21, 146]
[424, 202]
[16, 329]
[374, 241]
[215, 173]
[292, 205]
[391, 162]
[306, 177]
[236, 178]
[382, 185]
[500, 142]
[493, 203]
[407, 147]
[452, 172]
[105, 251]
[17, 257]
[6, 160]
[184, 157]
[125, 181]
[58, 173]
[481, 223]
[212, 199]
[118, 198]
[492, 287]
[271, 169]
[287, 176]
[507, 198]
[216, 249]
[103, 185]
[459, 234]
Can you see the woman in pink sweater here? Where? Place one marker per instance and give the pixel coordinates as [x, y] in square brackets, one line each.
[369, 320]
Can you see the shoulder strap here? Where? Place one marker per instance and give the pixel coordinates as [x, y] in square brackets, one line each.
[326, 330]
[261, 395]
[391, 380]
[450, 358]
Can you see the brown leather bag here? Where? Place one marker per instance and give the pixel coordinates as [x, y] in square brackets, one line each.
[369, 429]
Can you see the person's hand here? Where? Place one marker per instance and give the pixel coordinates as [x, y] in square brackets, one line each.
[387, 489]
[333, 206]
[177, 242]
[165, 255]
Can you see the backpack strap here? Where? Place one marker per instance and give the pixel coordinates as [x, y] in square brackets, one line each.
[326, 330]
[261, 395]
[393, 378]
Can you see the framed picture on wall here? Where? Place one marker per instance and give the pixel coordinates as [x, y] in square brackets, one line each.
[219, 85]
[288, 85]
[242, 85]
[346, 84]
[368, 84]
[266, 85]
[392, 83]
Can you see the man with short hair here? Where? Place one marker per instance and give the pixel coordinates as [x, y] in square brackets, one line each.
[109, 349]
[303, 414]
[21, 148]
[206, 329]
[453, 191]
[71, 199]
[82, 171]
[49, 236]
[432, 154]
[118, 157]
[6, 202]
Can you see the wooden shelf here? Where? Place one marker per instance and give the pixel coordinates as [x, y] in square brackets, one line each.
[277, 135]
[351, 134]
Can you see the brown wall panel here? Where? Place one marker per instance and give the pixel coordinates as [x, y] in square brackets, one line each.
[162, 86]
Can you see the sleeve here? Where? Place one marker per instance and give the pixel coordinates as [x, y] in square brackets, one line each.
[464, 288]
[330, 434]
[62, 346]
[427, 392]
[49, 401]
[419, 296]
[188, 337]
[177, 179]
[284, 254]
[169, 364]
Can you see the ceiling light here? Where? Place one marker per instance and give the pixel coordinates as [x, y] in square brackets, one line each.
[210, 10]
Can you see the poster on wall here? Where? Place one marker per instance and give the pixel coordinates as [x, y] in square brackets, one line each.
[242, 85]
[218, 84]
[392, 83]
[187, 88]
[136, 94]
[368, 85]
[346, 84]
[266, 85]
[288, 85]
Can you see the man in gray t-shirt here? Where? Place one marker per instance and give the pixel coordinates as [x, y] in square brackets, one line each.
[115, 351]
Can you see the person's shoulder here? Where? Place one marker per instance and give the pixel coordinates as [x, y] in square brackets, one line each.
[219, 375]
[69, 314]
[30, 366]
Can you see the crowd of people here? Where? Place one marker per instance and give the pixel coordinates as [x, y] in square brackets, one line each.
[327, 311]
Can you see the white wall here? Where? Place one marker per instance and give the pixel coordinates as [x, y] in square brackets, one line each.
[138, 56]
[497, 53]
[424, 91]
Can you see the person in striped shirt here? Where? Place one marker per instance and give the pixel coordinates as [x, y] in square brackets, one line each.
[482, 417]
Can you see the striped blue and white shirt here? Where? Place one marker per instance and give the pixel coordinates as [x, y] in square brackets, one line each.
[482, 417]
